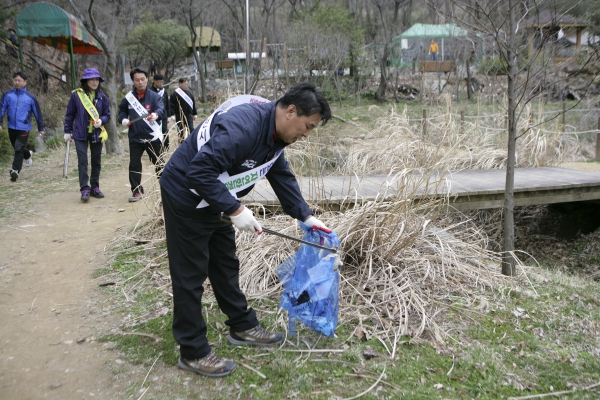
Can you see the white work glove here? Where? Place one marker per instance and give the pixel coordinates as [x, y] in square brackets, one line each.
[97, 124]
[245, 221]
[316, 224]
[125, 122]
[153, 117]
[195, 118]
[67, 137]
[171, 118]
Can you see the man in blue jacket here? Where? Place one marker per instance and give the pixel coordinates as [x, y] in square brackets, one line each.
[18, 105]
[220, 161]
[145, 134]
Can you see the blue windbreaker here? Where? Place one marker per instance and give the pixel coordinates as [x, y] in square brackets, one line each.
[18, 105]
[240, 139]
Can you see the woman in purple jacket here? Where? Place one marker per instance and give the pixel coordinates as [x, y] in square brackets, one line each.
[81, 127]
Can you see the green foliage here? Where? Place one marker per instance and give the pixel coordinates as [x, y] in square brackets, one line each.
[493, 67]
[5, 15]
[165, 42]
[6, 149]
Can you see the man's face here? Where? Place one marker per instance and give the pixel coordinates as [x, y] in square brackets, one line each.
[19, 82]
[184, 85]
[295, 127]
[158, 83]
[140, 81]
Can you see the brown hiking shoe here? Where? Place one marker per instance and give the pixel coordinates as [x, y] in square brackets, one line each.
[211, 365]
[256, 336]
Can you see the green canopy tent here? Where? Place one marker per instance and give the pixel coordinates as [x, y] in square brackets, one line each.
[207, 39]
[50, 25]
[427, 32]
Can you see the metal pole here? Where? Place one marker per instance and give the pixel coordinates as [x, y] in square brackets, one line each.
[246, 75]
[20, 53]
[598, 142]
[73, 77]
[424, 123]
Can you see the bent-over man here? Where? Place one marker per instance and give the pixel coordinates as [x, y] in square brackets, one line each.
[221, 161]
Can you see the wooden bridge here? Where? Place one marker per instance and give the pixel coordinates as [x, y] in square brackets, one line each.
[466, 190]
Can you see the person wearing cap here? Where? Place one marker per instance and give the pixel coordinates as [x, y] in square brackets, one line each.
[19, 105]
[141, 110]
[157, 86]
[87, 113]
[183, 108]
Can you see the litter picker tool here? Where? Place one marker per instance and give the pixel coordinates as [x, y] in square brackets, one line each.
[138, 118]
[66, 166]
[272, 232]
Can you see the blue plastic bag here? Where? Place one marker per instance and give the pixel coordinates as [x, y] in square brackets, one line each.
[311, 280]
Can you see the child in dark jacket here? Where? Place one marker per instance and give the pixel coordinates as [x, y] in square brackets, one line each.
[87, 112]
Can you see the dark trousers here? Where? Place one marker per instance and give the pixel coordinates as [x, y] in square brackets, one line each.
[187, 123]
[18, 139]
[82, 163]
[136, 151]
[201, 245]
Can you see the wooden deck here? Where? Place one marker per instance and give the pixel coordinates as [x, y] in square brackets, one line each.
[467, 190]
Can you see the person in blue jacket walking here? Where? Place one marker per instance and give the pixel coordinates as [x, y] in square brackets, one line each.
[145, 134]
[243, 141]
[87, 113]
[18, 105]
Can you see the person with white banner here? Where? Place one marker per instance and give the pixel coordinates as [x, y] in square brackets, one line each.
[241, 142]
[141, 110]
[183, 108]
[157, 86]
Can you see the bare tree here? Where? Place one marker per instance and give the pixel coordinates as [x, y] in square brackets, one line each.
[389, 28]
[109, 22]
[530, 71]
[193, 12]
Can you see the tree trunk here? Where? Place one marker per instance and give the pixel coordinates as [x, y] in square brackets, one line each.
[469, 87]
[113, 144]
[380, 94]
[508, 261]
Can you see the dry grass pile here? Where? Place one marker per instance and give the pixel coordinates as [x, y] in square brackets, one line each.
[444, 142]
[405, 263]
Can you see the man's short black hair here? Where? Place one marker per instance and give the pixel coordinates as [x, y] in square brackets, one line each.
[181, 80]
[159, 77]
[137, 70]
[11, 30]
[308, 100]
[21, 74]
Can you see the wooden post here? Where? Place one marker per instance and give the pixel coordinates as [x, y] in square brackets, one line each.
[424, 123]
[266, 63]
[598, 141]
[462, 122]
[564, 115]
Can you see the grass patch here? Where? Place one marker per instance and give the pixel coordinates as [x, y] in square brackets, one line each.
[523, 344]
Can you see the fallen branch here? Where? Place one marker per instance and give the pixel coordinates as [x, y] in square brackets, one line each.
[539, 396]
[253, 369]
[344, 120]
[369, 389]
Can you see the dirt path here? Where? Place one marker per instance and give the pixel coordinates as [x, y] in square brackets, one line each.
[50, 307]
